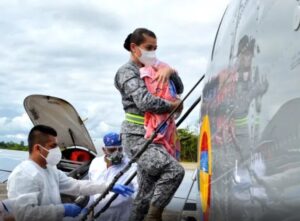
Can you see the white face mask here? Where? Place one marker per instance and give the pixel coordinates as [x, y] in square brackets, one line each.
[53, 157]
[148, 58]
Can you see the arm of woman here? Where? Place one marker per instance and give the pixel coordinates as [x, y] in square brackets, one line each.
[132, 86]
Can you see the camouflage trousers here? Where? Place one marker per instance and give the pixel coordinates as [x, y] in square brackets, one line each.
[159, 175]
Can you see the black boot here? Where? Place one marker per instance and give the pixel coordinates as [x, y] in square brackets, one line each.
[154, 214]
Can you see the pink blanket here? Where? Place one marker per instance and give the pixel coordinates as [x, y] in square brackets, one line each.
[168, 135]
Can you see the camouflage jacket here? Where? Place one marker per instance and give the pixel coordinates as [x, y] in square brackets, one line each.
[135, 97]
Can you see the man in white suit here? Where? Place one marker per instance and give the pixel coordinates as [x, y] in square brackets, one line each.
[104, 169]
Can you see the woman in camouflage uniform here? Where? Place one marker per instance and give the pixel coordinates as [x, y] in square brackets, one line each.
[159, 174]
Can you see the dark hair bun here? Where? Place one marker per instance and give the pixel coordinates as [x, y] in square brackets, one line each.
[127, 42]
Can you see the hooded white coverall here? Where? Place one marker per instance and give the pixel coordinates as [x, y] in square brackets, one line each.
[6, 209]
[38, 191]
[120, 208]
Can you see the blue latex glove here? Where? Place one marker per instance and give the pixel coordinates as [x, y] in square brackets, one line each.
[84, 211]
[123, 190]
[71, 209]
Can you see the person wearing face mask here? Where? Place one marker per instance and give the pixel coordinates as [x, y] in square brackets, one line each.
[159, 174]
[36, 183]
[105, 168]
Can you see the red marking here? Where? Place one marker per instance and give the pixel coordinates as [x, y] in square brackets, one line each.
[80, 155]
[206, 216]
[204, 144]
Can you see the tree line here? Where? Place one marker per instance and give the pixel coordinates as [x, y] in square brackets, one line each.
[189, 144]
[188, 141]
[13, 146]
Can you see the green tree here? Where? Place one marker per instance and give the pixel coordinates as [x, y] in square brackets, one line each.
[189, 143]
[13, 146]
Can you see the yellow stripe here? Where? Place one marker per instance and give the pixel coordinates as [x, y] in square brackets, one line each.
[136, 119]
[135, 116]
[241, 120]
[241, 124]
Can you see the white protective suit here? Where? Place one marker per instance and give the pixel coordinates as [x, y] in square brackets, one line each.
[6, 209]
[120, 209]
[38, 191]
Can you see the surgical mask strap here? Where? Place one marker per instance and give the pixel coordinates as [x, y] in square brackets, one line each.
[44, 149]
[53, 157]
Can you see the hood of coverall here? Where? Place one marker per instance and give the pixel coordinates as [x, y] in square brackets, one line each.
[62, 116]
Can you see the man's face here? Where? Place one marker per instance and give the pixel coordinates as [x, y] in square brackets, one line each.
[113, 155]
[51, 143]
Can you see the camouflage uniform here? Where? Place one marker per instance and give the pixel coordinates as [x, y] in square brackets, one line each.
[159, 174]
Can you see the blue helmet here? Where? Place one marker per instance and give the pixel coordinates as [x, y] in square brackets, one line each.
[112, 140]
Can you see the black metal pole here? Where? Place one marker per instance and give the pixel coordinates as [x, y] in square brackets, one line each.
[107, 205]
[128, 181]
[188, 112]
[138, 154]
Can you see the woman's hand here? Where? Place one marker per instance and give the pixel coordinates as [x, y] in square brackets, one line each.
[163, 74]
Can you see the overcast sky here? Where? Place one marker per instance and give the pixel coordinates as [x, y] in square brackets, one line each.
[72, 49]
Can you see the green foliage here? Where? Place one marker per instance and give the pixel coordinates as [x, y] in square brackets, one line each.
[13, 146]
[189, 143]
